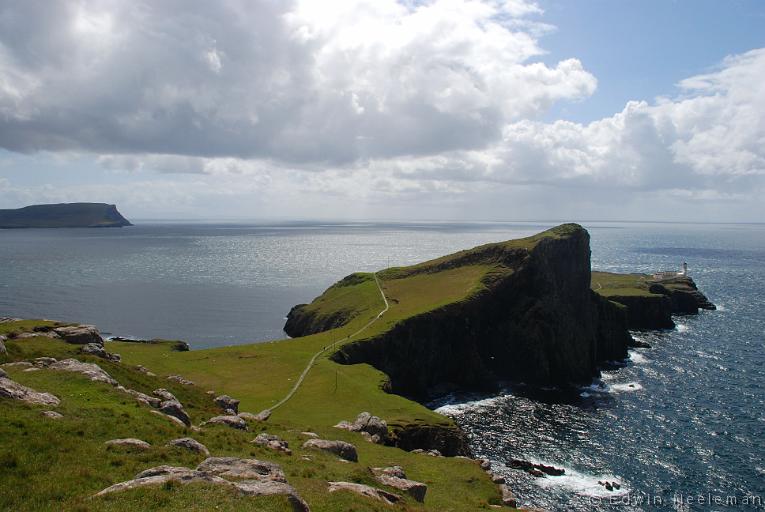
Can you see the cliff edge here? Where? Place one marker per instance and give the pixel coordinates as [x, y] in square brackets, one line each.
[65, 215]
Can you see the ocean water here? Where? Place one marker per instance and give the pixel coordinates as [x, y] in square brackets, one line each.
[685, 418]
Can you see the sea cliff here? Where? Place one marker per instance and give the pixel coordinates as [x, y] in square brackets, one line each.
[65, 215]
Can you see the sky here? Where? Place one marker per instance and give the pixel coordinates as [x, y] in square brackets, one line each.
[382, 109]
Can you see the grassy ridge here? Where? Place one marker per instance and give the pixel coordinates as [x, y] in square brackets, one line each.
[609, 284]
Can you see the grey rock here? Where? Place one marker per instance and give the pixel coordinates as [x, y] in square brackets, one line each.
[395, 477]
[145, 370]
[44, 362]
[90, 370]
[376, 427]
[365, 490]
[129, 442]
[273, 442]
[179, 475]
[227, 420]
[175, 409]
[52, 415]
[172, 418]
[263, 415]
[144, 398]
[12, 389]
[164, 394]
[312, 435]
[18, 364]
[180, 380]
[342, 449]
[243, 469]
[227, 403]
[248, 416]
[94, 349]
[268, 488]
[80, 334]
[190, 444]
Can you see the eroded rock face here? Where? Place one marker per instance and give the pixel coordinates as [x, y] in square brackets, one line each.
[11, 389]
[273, 442]
[365, 490]
[340, 448]
[228, 404]
[130, 442]
[395, 477]
[190, 444]
[90, 370]
[80, 334]
[229, 421]
[242, 469]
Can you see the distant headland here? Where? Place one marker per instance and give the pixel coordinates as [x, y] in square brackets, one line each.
[64, 215]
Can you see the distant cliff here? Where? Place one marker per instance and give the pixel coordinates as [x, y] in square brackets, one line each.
[532, 318]
[67, 215]
[650, 304]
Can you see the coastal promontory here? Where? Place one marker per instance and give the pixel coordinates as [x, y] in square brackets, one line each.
[64, 215]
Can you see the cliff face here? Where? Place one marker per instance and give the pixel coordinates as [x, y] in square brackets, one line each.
[536, 322]
[676, 296]
[69, 215]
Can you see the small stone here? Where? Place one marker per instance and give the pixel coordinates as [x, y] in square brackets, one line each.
[273, 442]
[180, 380]
[227, 403]
[312, 435]
[52, 415]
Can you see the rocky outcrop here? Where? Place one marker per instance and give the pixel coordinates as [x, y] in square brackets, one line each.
[11, 389]
[94, 349]
[365, 490]
[342, 449]
[375, 427]
[273, 442]
[395, 477]
[129, 443]
[80, 334]
[248, 477]
[90, 370]
[229, 421]
[228, 404]
[448, 440]
[190, 444]
[535, 321]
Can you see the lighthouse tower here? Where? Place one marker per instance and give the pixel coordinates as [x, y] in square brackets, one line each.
[684, 272]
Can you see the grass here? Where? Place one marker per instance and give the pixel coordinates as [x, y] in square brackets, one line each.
[609, 284]
[58, 464]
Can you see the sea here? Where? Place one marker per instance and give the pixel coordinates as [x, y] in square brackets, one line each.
[678, 426]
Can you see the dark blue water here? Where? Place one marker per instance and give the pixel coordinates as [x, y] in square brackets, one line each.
[685, 417]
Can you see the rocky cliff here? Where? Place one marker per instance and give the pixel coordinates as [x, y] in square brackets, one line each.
[651, 304]
[67, 215]
[533, 319]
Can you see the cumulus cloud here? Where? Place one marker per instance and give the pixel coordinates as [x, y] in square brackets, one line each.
[295, 81]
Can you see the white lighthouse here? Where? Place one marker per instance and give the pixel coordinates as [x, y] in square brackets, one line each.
[684, 272]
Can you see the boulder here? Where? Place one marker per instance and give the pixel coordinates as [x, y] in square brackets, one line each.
[164, 394]
[12, 389]
[273, 442]
[180, 380]
[365, 422]
[394, 477]
[130, 442]
[268, 488]
[172, 418]
[190, 444]
[365, 490]
[175, 409]
[79, 334]
[242, 469]
[94, 349]
[228, 420]
[52, 415]
[179, 475]
[145, 370]
[90, 370]
[44, 362]
[228, 404]
[342, 449]
[144, 398]
[180, 346]
[508, 498]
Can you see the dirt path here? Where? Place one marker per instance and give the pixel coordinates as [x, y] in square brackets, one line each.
[332, 345]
